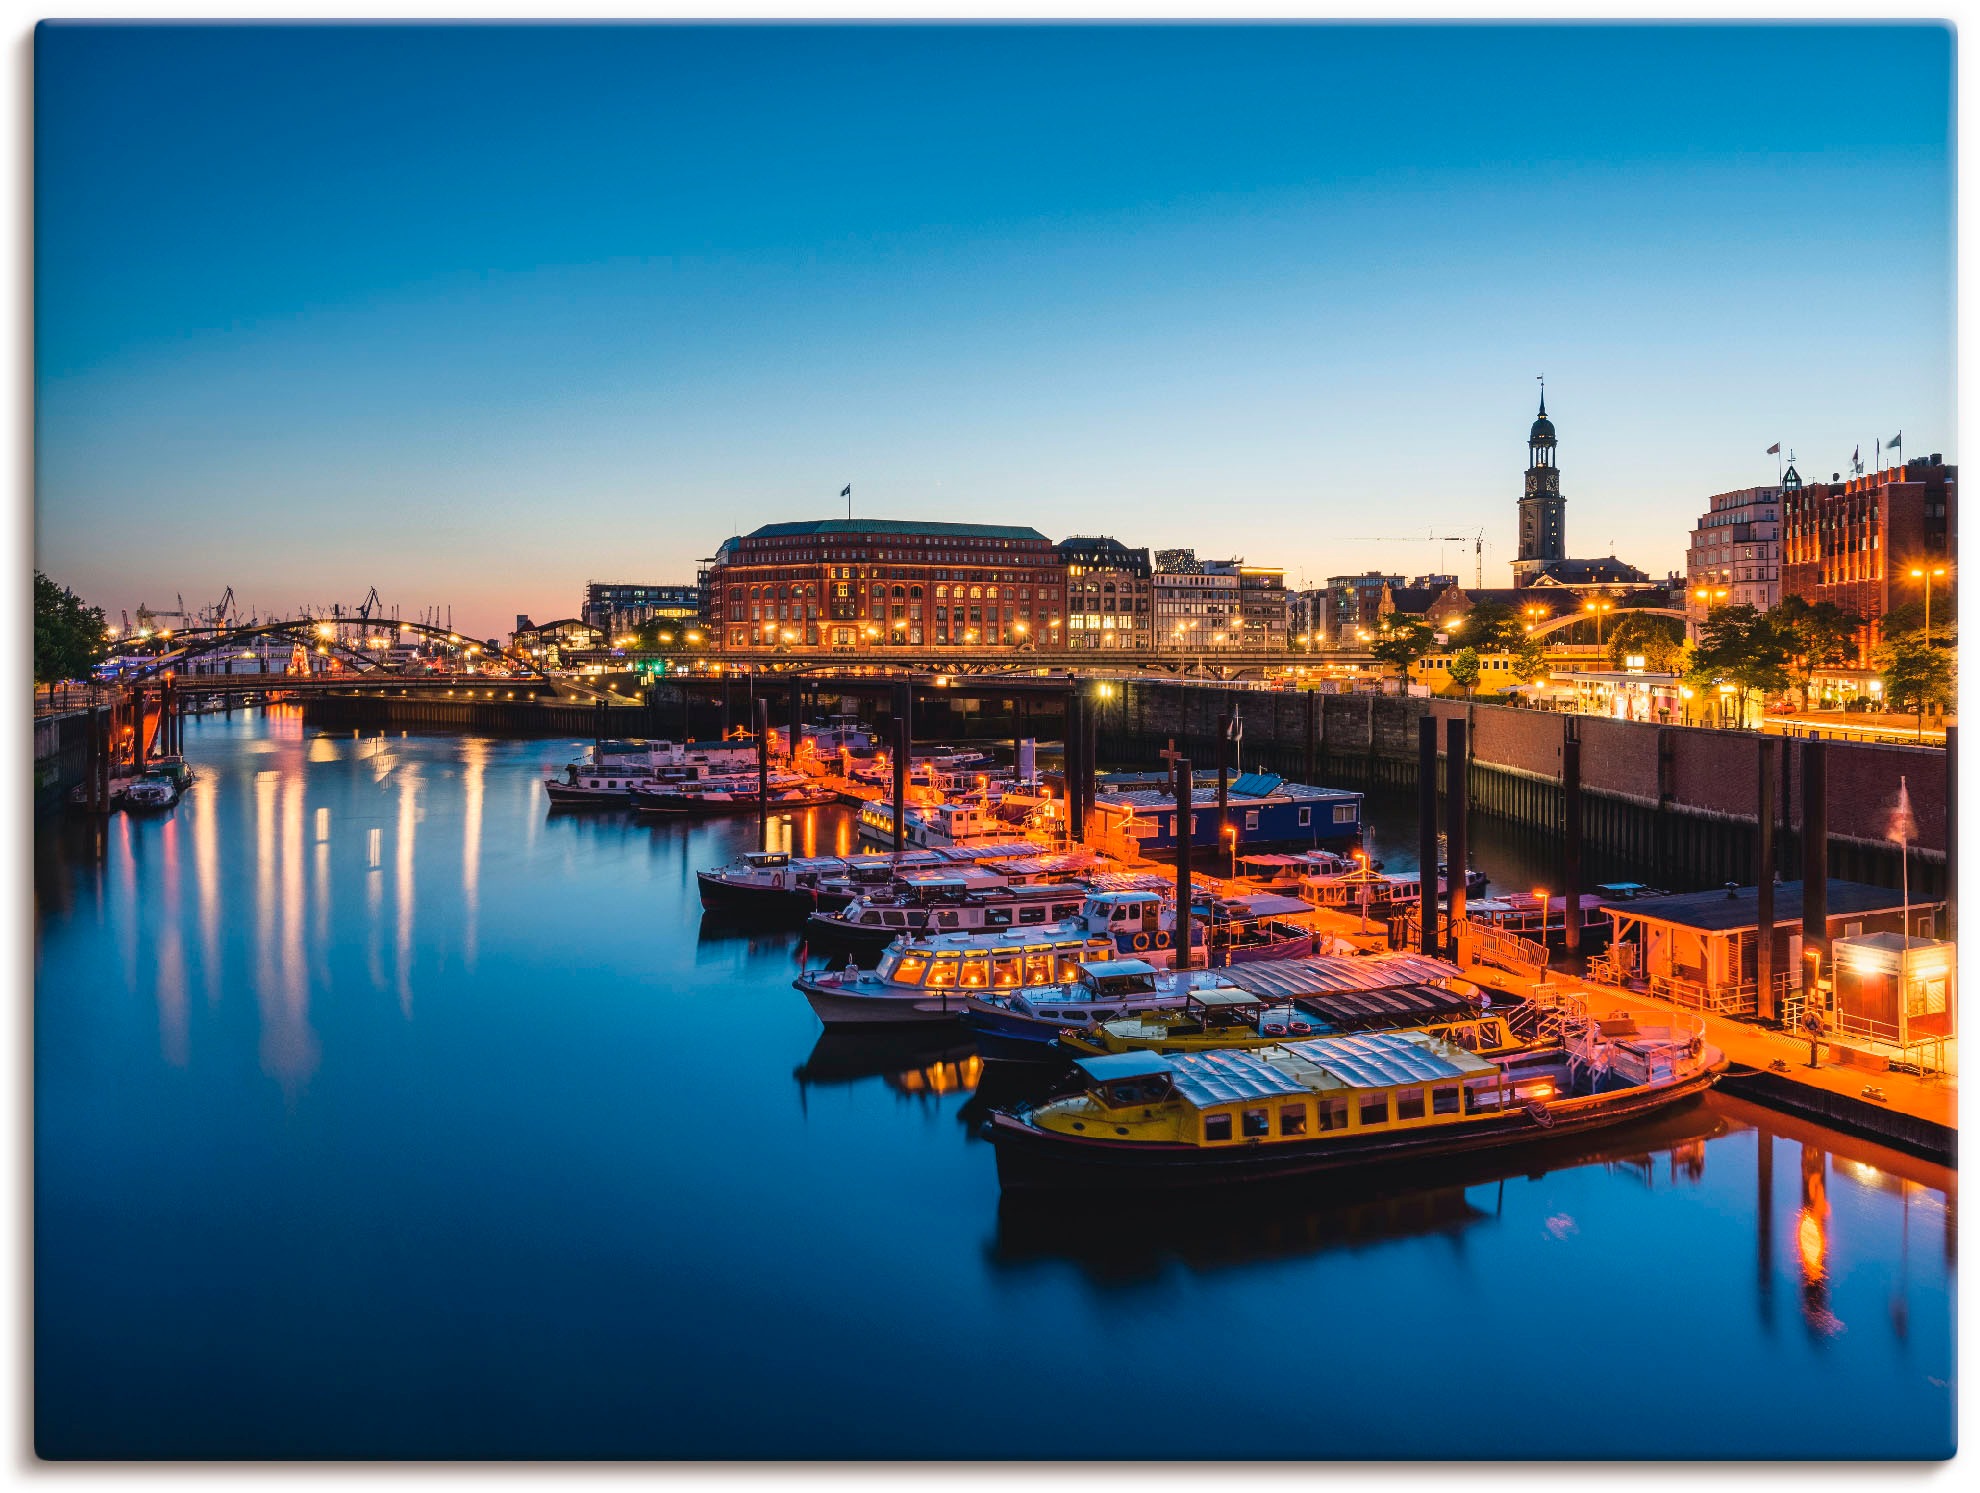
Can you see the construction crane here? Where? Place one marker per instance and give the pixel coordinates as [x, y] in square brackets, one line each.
[1476, 541]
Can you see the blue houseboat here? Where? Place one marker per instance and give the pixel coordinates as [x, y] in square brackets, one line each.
[1265, 810]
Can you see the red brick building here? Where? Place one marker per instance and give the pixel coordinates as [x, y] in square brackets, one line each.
[870, 584]
[1856, 542]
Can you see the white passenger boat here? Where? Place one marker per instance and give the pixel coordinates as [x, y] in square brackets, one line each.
[962, 822]
[929, 979]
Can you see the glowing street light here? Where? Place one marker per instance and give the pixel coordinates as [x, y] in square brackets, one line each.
[1921, 574]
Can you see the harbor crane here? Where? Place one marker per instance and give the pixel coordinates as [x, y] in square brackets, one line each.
[1476, 541]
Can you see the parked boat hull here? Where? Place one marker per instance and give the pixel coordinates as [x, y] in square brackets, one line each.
[719, 894]
[836, 1006]
[563, 796]
[695, 806]
[1032, 1159]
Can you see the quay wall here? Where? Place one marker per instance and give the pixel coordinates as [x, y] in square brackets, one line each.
[480, 717]
[61, 754]
[1877, 1122]
[1678, 800]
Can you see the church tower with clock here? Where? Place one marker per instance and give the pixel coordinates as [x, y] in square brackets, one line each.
[1542, 511]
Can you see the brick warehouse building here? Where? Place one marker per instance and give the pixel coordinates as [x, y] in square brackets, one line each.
[870, 584]
[1855, 542]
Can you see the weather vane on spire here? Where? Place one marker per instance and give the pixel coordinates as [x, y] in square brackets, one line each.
[1543, 391]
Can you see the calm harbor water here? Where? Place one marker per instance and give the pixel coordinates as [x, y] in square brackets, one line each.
[381, 1113]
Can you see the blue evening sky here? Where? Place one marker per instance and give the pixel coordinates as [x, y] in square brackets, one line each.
[477, 314]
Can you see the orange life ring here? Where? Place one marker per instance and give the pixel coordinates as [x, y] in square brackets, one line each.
[1140, 942]
[1161, 940]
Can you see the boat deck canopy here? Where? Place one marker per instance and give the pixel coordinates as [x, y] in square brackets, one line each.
[1267, 905]
[1107, 969]
[1348, 1008]
[1282, 979]
[1382, 1060]
[1115, 1065]
[1222, 998]
[1228, 1075]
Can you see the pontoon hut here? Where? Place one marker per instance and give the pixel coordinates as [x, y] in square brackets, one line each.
[1701, 949]
[1896, 992]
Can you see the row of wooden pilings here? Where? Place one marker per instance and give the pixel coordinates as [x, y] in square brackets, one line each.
[1815, 857]
[123, 736]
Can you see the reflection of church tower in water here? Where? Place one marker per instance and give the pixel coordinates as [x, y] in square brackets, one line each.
[1542, 511]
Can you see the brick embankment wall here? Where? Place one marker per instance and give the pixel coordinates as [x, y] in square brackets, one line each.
[1681, 799]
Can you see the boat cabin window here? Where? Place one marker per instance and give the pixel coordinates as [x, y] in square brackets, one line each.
[1037, 966]
[1251, 819]
[1151, 1089]
[1073, 1015]
[1216, 1128]
[949, 919]
[1066, 967]
[1031, 915]
[1333, 1113]
[895, 919]
[946, 971]
[913, 965]
[1257, 1122]
[1007, 969]
[1482, 1095]
[1063, 910]
[1444, 1099]
[996, 917]
[1409, 1104]
[869, 919]
[1374, 1110]
[976, 971]
[1292, 1119]
[1305, 817]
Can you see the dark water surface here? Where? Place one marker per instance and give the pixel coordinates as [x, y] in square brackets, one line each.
[380, 1113]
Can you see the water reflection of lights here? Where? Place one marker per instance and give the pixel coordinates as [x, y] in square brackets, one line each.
[402, 884]
[474, 753]
[1813, 1237]
[960, 1077]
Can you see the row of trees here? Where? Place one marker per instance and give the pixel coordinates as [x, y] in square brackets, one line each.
[70, 636]
[1770, 653]
[1758, 654]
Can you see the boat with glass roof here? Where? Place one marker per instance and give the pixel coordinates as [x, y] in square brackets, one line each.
[1332, 1104]
[1230, 1018]
[929, 979]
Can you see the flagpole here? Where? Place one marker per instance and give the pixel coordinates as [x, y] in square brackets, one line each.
[1904, 947]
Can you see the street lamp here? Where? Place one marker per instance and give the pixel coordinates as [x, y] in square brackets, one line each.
[1541, 893]
[1597, 608]
[1920, 574]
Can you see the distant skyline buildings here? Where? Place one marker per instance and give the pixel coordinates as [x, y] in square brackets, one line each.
[474, 315]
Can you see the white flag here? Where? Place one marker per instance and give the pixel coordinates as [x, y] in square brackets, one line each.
[1904, 828]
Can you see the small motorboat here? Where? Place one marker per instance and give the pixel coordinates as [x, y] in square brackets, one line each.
[151, 792]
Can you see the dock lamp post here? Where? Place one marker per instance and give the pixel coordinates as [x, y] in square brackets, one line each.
[1361, 862]
[1541, 893]
[1919, 573]
[1230, 843]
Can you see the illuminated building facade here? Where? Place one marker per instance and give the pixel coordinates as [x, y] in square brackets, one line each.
[854, 585]
[1109, 594]
[1734, 558]
[1855, 542]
